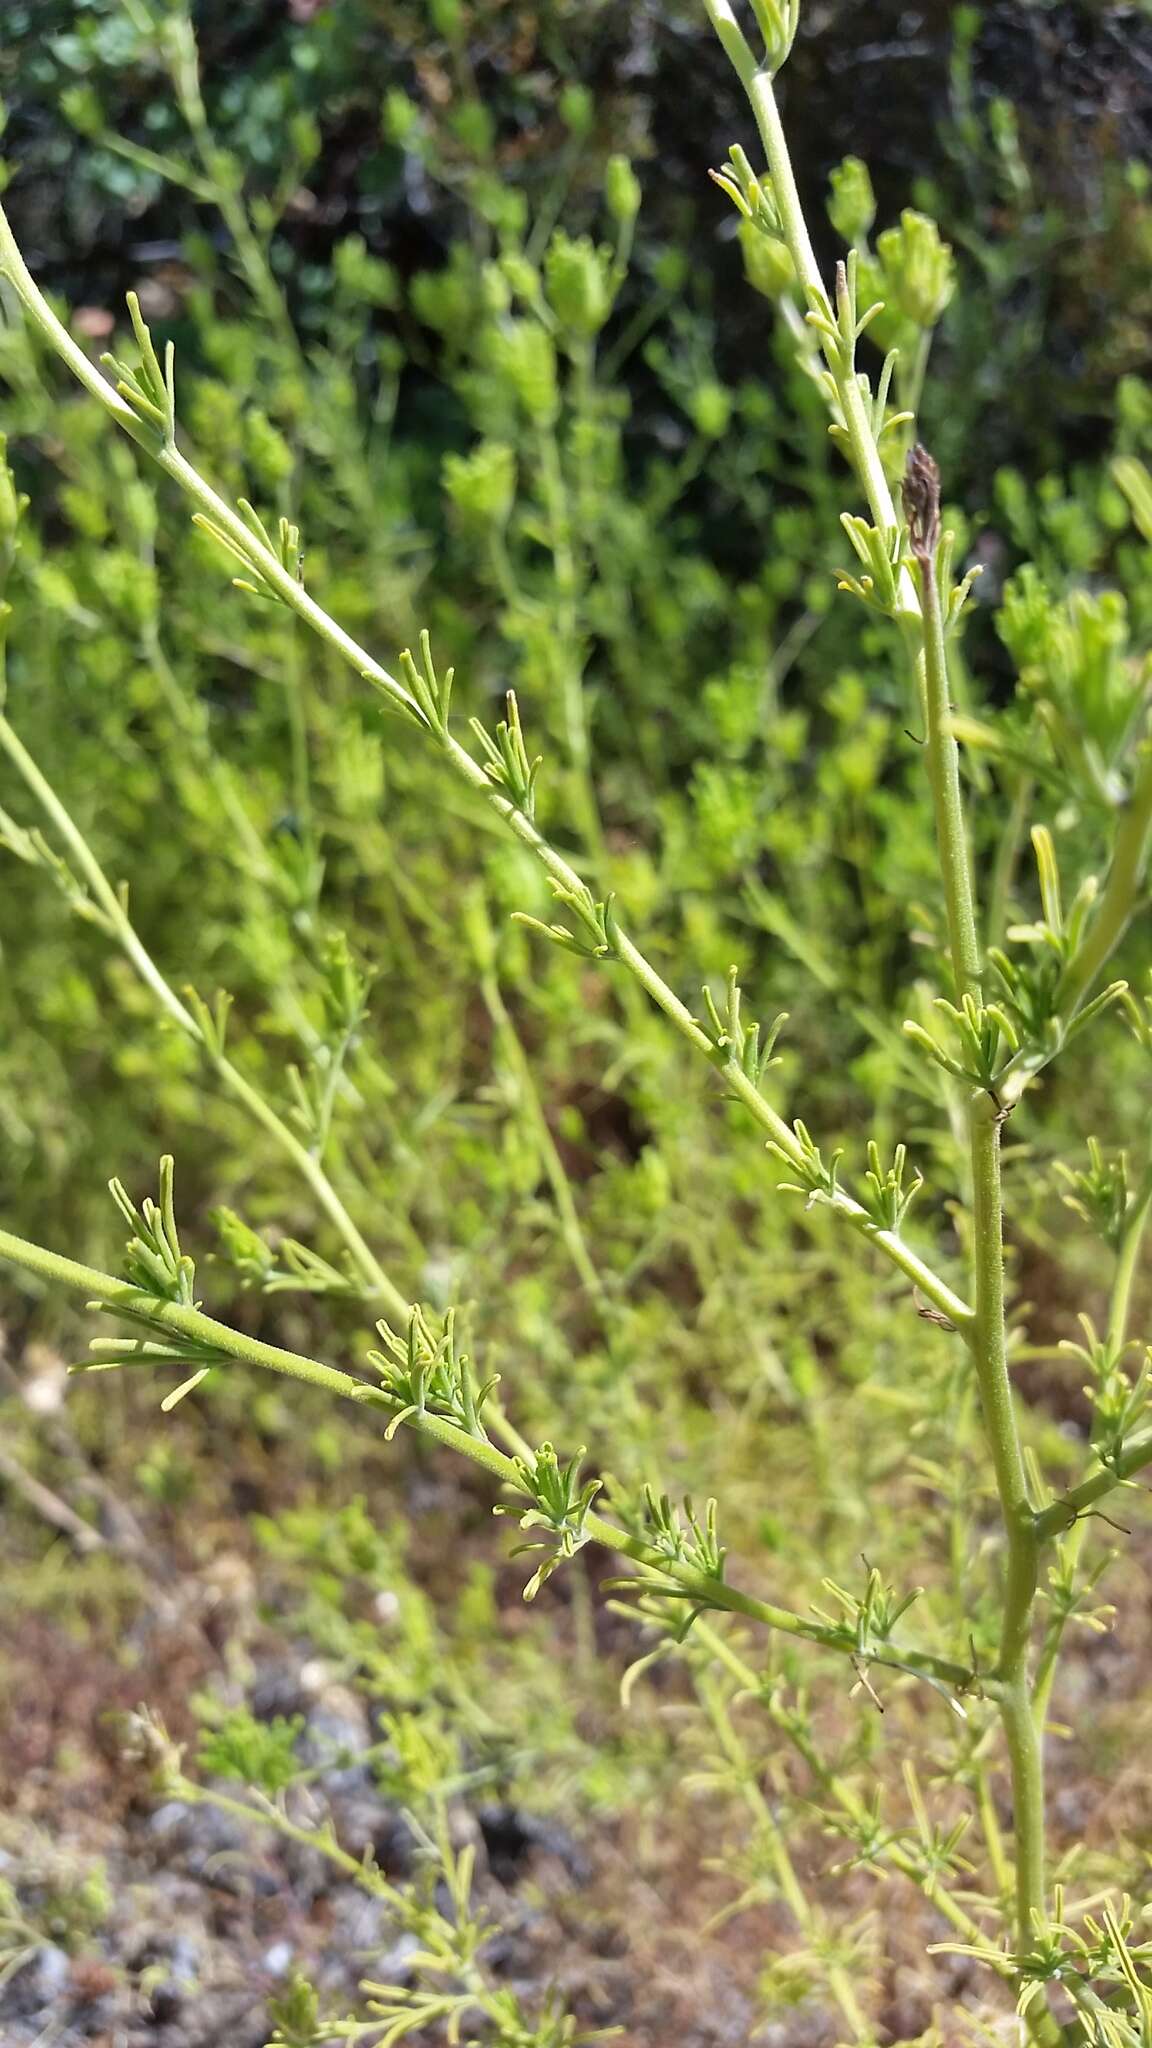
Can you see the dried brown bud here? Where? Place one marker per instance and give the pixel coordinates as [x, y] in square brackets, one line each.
[922, 503]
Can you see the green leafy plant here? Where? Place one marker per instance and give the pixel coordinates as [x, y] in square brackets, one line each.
[1002, 1003]
[252, 1769]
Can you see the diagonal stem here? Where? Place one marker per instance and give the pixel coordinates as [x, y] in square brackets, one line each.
[935, 1291]
[118, 923]
[104, 1290]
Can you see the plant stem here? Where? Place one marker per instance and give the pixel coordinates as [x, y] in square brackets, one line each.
[299, 754]
[988, 1335]
[865, 452]
[268, 1814]
[1067, 1512]
[1007, 855]
[947, 797]
[1121, 890]
[1052, 1521]
[104, 1290]
[807, 1919]
[178, 48]
[215, 508]
[119, 925]
[567, 650]
[193, 729]
[528, 1096]
[1127, 1260]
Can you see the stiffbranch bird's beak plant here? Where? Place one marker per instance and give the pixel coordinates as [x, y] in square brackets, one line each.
[1003, 1013]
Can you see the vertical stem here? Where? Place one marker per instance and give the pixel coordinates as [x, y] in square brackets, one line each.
[851, 390]
[1025, 1754]
[947, 797]
[299, 753]
[1121, 890]
[1127, 1259]
[1119, 1305]
[182, 58]
[571, 1229]
[988, 1335]
[568, 652]
[807, 1918]
[1007, 855]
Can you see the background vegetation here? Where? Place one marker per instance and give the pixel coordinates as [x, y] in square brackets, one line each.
[341, 216]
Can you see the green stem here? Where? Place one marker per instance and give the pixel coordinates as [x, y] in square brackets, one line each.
[268, 1814]
[1121, 891]
[1023, 1738]
[528, 1095]
[991, 1831]
[1066, 1513]
[1007, 855]
[292, 593]
[103, 1289]
[947, 797]
[568, 651]
[181, 56]
[1053, 1637]
[299, 754]
[988, 1334]
[190, 718]
[865, 452]
[781, 1134]
[1135, 1457]
[807, 1919]
[120, 927]
[1127, 1260]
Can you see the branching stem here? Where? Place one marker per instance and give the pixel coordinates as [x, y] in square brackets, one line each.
[105, 1290]
[120, 927]
[935, 1291]
[989, 1336]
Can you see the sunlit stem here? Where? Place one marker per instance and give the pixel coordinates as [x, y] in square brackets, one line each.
[120, 927]
[988, 1337]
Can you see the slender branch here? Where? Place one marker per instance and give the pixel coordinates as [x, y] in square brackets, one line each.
[1134, 1458]
[113, 1294]
[831, 1784]
[1137, 1452]
[865, 452]
[49, 1504]
[104, 1290]
[1121, 891]
[989, 1335]
[1127, 1260]
[291, 591]
[943, 756]
[268, 1814]
[121, 928]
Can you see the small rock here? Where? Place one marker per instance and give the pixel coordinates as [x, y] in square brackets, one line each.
[37, 1983]
[368, 1824]
[335, 1739]
[171, 1968]
[196, 1834]
[276, 1690]
[512, 1837]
